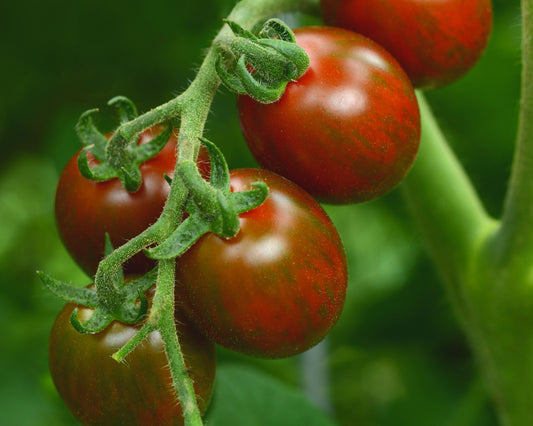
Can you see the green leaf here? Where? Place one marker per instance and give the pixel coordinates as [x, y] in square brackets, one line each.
[246, 396]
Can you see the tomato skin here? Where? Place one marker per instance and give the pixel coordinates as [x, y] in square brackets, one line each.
[278, 287]
[85, 210]
[348, 130]
[100, 391]
[436, 42]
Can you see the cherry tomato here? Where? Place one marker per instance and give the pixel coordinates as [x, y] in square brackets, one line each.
[278, 287]
[348, 130]
[100, 391]
[85, 210]
[436, 42]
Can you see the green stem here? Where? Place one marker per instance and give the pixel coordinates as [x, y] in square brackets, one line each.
[516, 234]
[162, 313]
[443, 202]
[193, 106]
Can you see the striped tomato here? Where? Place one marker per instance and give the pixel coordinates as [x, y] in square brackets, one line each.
[348, 130]
[275, 289]
[436, 42]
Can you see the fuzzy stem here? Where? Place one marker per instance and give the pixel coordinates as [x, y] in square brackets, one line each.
[193, 105]
[163, 314]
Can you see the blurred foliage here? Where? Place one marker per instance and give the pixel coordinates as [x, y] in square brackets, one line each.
[397, 356]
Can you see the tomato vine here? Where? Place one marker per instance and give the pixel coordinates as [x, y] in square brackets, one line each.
[486, 262]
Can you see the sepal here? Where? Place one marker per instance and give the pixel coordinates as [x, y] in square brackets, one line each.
[126, 108]
[212, 207]
[262, 65]
[118, 157]
[130, 311]
[90, 136]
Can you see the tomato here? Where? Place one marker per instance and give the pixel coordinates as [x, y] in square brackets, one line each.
[278, 287]
[100, 391]
[436, 42]
[348, 130]
[85, 210]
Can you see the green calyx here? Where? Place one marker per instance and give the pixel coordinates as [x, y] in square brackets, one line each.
[212, 207]
[118, 157]
[129, 310]
[261, 65]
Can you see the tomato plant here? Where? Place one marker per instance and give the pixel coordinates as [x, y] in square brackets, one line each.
[100, 391]
[275, 289]
[348, 130]
[436, 42]
[85, 210]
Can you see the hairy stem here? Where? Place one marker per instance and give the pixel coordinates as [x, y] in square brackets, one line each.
[163, 314]
[193, 107]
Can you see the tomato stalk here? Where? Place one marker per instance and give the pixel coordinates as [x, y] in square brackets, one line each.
[485, 263]
[192, 107]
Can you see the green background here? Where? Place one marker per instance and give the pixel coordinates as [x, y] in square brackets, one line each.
[397, 355]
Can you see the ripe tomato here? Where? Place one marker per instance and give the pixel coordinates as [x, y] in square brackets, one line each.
[278, 287]
[436, 42]
[348, 130]
[100, 391]
[85, 210]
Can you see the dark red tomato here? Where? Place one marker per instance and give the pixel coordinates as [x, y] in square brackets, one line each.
[278, 287]
[436, 42]
[85, 210]
[100, 391]
[348, 130]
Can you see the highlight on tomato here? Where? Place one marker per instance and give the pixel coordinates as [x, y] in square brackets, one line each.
[278, 287]
[348, 130]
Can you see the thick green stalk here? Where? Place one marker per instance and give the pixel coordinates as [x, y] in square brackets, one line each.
[443, 202]
[487, 266]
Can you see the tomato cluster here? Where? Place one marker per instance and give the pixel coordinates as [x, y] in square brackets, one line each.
[346, 131]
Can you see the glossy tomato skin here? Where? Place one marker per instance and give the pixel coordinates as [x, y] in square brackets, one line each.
[348, 130]
[436, 42]
[100, 391]
[85, 210]
[278, 287]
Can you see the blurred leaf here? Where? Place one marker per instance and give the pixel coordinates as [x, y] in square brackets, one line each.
[245, 396]
[27, 188]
